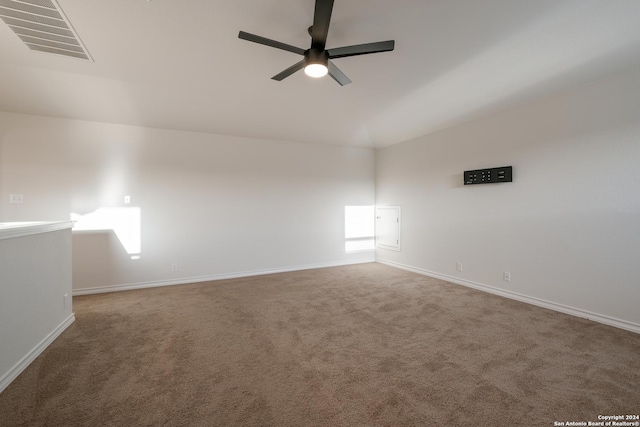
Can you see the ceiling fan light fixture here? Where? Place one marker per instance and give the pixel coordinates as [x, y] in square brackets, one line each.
[316, 70]
[316, 63]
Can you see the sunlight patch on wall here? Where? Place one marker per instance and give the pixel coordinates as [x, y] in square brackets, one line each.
[124, 221]
[359, 228]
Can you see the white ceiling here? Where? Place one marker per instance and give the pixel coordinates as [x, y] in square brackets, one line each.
[180, 65]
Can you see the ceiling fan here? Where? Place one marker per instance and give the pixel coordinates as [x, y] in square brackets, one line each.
[317, 60]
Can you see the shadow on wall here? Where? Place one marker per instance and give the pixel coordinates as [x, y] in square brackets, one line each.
[125, 222]
[97, 258]
[103, 241]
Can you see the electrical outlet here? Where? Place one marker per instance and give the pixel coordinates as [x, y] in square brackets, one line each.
[66, 301]
[458, 266]
[16, 199]
[174, 267]
[506, 276]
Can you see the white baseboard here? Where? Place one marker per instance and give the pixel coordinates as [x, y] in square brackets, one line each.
[186, 280]
[17, 369]
[600, 318]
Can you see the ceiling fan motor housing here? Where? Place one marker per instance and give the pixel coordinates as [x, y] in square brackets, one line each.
[316, 56]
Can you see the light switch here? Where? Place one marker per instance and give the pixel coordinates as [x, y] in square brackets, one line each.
[488, 176]
[127, 200]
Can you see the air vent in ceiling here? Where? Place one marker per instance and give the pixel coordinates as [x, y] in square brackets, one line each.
[42, 26]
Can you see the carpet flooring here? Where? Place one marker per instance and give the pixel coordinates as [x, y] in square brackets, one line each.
[359, 345]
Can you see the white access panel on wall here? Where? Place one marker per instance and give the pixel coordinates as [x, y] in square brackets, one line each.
[388, 227]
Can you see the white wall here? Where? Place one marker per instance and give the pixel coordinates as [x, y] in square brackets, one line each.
[567, 228]
[214, 205]
[35, 275]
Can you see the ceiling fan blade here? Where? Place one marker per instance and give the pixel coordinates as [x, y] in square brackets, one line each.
[321, 20]
[361, 49]
[338, 75]
[286, 73]
[268, 42]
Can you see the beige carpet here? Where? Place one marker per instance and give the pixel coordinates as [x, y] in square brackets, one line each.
[356, 345]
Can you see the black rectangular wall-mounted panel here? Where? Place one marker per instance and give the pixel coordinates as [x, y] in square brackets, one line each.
[488, 176]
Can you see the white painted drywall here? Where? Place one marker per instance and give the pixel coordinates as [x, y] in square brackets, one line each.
[35, 275]
[567, 228]
[212, 204]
